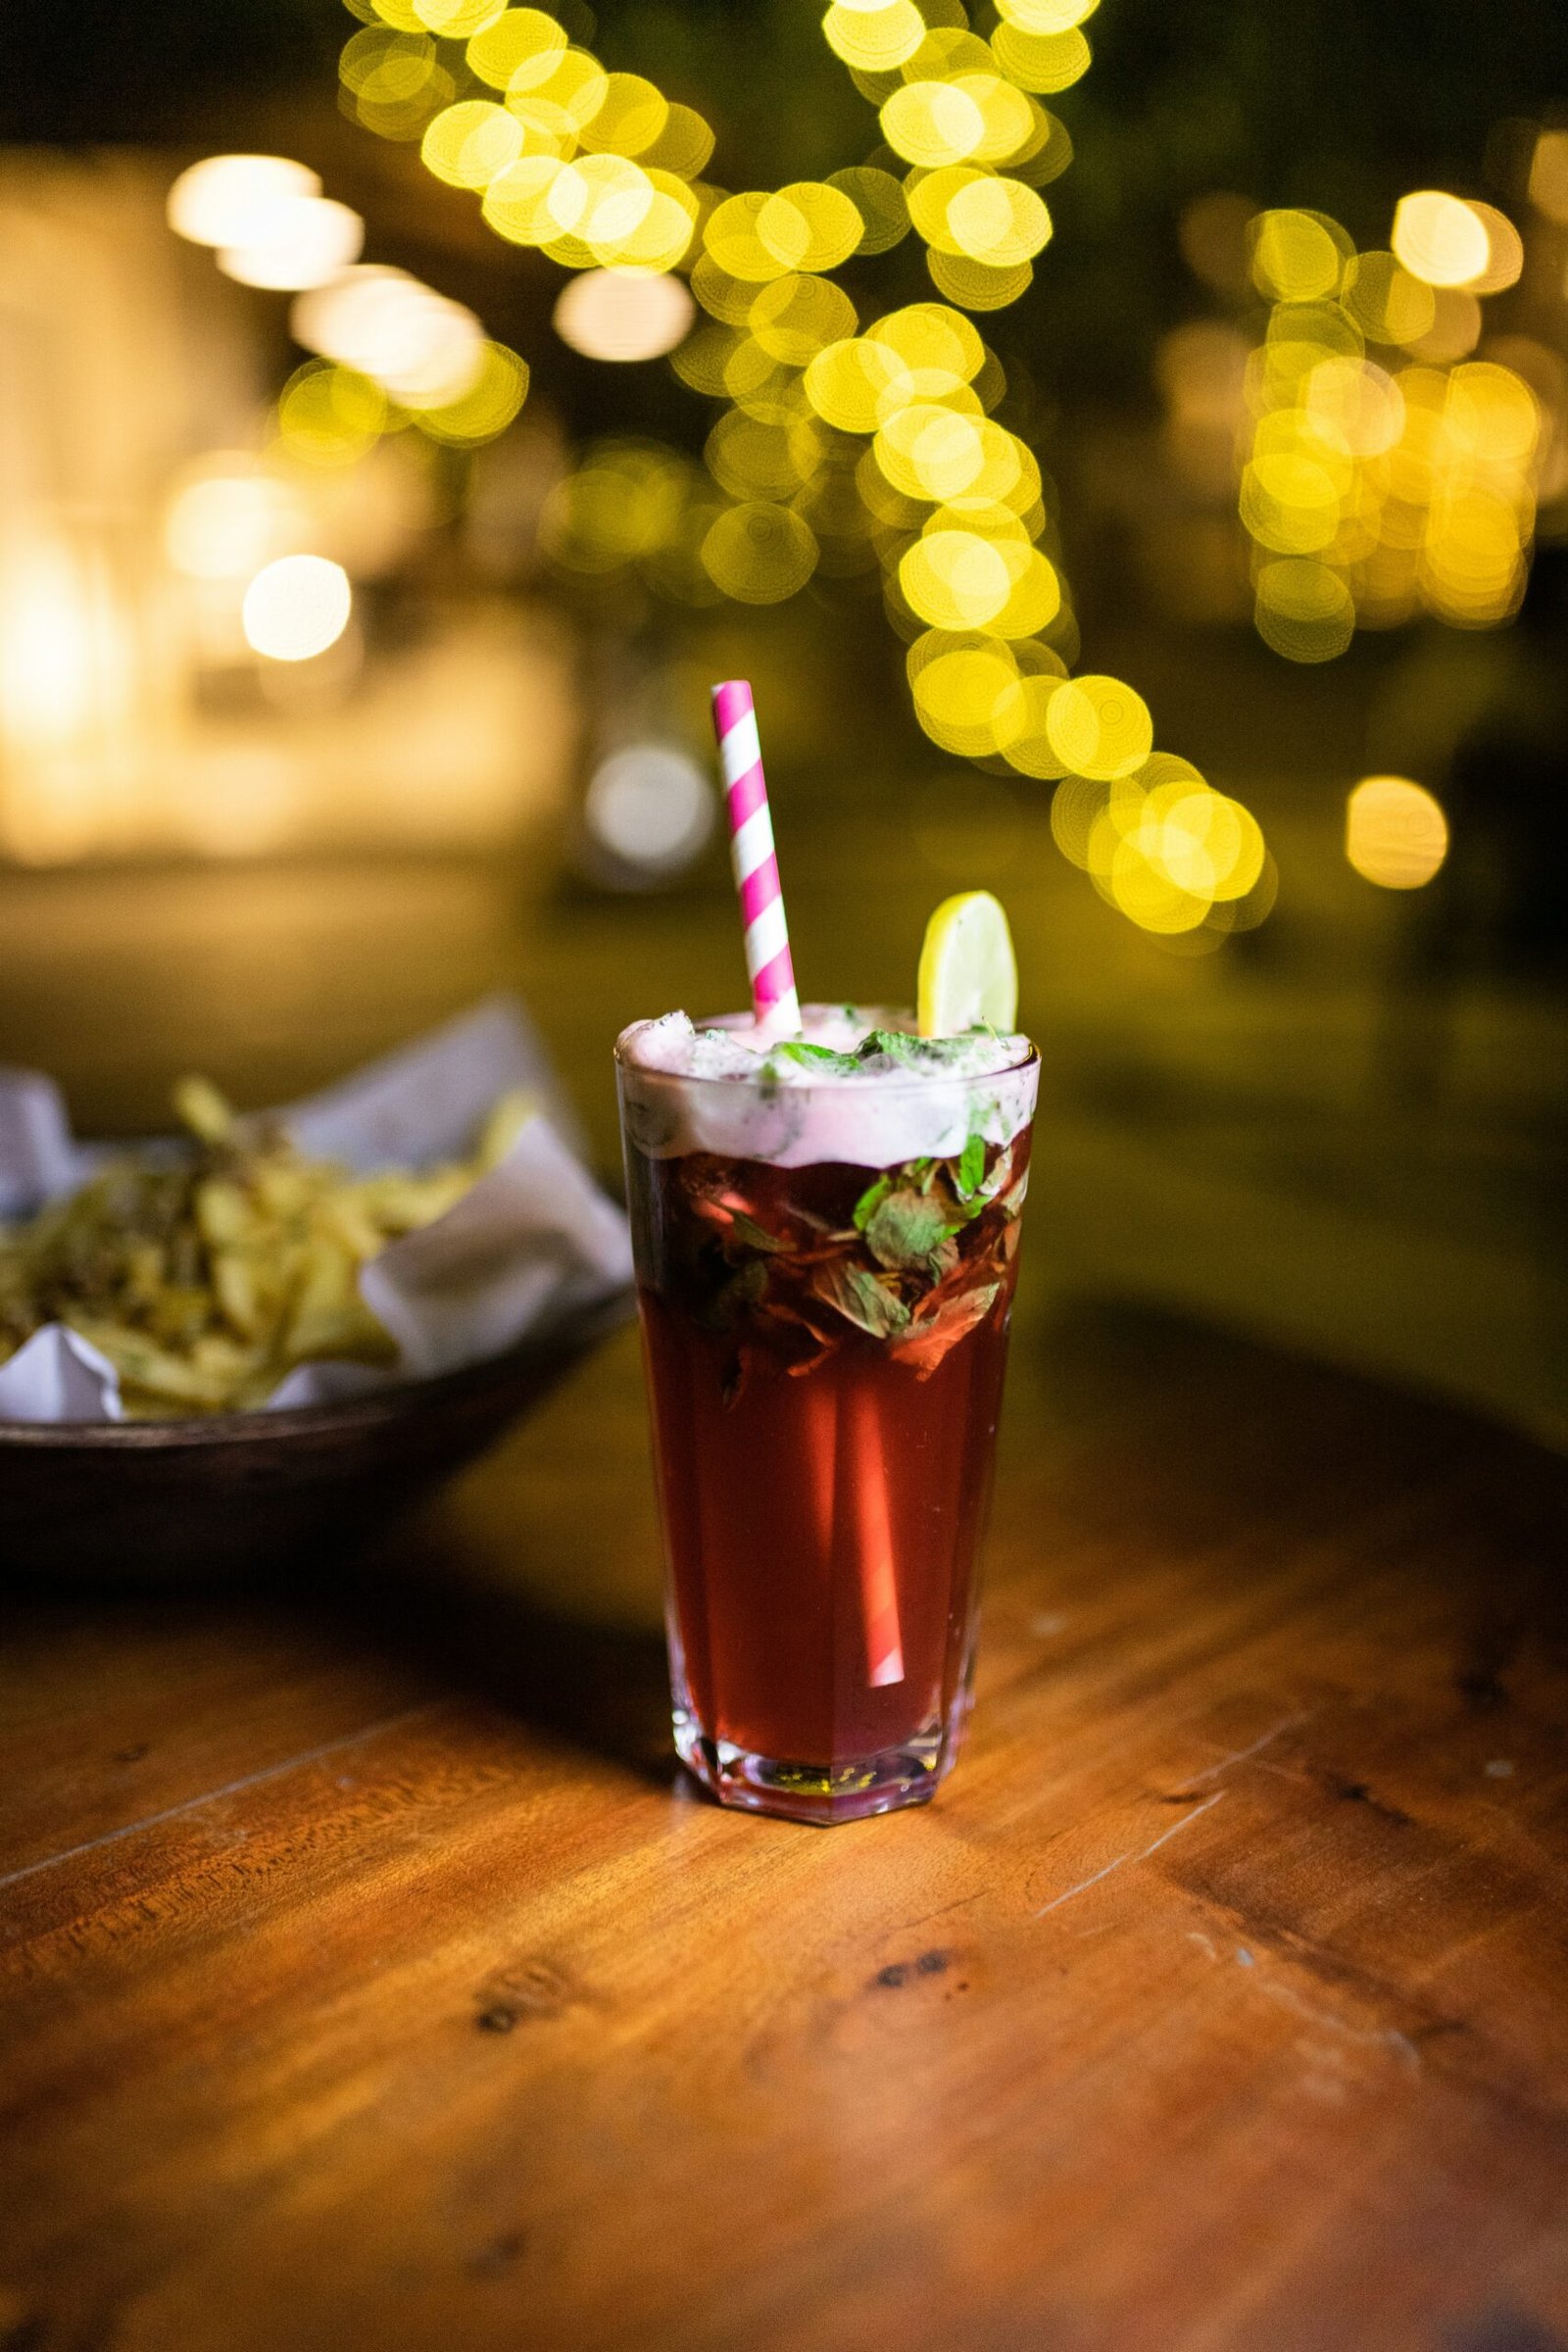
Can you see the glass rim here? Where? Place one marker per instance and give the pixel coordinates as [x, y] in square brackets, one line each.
[884, 1085]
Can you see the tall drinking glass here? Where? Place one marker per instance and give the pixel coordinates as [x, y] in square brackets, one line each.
[825, 1275]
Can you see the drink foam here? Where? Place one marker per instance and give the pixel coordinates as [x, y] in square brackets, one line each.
[724, 1087]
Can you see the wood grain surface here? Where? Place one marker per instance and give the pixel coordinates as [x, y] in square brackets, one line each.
[370, 1979]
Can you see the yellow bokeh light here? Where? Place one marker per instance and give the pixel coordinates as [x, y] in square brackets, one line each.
[796, 316]
[296, 608]
[759, 553]
[810, 225]
[624, 314]
[1386, 301]
[1395, 834]
[1046, 16]
[880, 201]
[516, 203]
[469, 144]
[486, 408]
[857, 382]
[684, 144]
[1297, 256]
[1305, 609]
[940, 349]
[329, 416]
[1023, 736]
[1289, 503]
[1439, 238]
[1044, 62]
[1099, 728]
[567, 78]
[455, 20]
[1354, 405]
[957, 691]
[929, 452]
[933, 123]
[956, 579]
[876, 39]
[730, 234]
[629, 119]
[977, 286]
[517, 49]
[996, 220]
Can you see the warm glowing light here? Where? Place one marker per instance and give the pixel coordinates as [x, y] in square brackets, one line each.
[1296, 256]
[874, 40]
[630, 118]
[652, 808]
[1044, 62]
[759, 553]
[296, 608]
[796, 316]
[1099, 728]
[486, 408]
[1386, 301]
[880, 201]
[517, 49]
[226, 198]
[624, 314]
[424, 350]
[455, 20]
[329, 416]
[1395, 834]
[469, 144]
[1548, 175]
[231, 519]
[300, 241]
[1441, 238]
[1305, 609]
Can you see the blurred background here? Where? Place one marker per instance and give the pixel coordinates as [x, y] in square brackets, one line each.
[1126, 448]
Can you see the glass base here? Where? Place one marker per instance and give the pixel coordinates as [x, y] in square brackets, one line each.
[906, 1775]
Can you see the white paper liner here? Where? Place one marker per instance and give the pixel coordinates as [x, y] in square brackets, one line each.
[529, 1242]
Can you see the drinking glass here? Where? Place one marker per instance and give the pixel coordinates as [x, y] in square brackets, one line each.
[826, 1342]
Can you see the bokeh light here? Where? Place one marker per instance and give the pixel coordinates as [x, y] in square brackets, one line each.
[296, 608]
[651, 809]
[299, 241]
[1441, 238]
[1396, 833]
[624, 314]
[226, 200]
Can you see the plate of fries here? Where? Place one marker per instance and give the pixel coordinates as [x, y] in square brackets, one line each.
[249, 1407]
[205, 1275]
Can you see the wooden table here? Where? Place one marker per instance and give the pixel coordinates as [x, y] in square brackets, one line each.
[371, 1979]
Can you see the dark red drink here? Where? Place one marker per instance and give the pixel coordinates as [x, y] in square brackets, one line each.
[825, 1349]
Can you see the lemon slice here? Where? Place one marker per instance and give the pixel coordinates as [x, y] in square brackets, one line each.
[968, 975]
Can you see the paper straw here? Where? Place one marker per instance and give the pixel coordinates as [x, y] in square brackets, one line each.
[774, 1001]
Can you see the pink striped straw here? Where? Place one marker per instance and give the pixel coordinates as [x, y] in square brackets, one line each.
[775, 1002]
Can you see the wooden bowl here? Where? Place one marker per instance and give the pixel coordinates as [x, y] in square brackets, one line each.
[152, 1502]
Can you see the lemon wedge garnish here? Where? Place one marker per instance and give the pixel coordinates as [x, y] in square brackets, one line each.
[969, 973]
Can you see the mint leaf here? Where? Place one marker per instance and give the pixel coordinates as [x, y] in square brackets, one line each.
[905, 1231]
[800, 1055]
[891, 1045]
[870, 1201]
[969, 1172]
[748, 1230]
[861, 1300]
